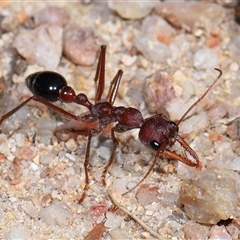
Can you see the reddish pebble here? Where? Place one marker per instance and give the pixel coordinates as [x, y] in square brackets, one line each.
[146, 194]
[80, 45]
[158, 91]
[98, 210]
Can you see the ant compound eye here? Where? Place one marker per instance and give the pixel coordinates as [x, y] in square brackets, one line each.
[154, 145]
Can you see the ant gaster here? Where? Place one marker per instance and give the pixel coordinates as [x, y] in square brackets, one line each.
[156, 132]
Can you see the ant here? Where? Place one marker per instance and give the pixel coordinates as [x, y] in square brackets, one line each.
[157, 132]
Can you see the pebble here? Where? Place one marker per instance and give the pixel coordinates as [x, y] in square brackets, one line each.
[128, 60]
[234, 230]
[225, 156]
[17, 234]
[80, 45]
[146, 194]
[119, 234]
[132, 10]
[31, 210]
[193, 230]
[217, 111]
[42, 45]
[51, 15]
[57, 214]
[212, 196]
[234, 67]
[149, 47]
[71, 145]
[196, 123]
[189, 15]
[152, 39]
[219, 233]
[158, 91]
[9, 23]
[158, 28]
[113, 221]
[205, 58]
[46, 158]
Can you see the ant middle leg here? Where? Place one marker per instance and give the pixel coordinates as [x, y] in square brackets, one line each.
[92, 133]
[112, 157]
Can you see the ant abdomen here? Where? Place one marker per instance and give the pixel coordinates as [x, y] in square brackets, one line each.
[158, 131]
[46, 85]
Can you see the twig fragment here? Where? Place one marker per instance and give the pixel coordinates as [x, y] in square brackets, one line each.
[135, 218]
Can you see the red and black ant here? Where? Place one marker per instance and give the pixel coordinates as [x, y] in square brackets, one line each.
[156, 132]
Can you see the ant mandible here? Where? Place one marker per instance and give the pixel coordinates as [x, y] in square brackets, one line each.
[156, 132]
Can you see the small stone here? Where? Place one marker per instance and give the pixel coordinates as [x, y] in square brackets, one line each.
[196, 123]
[193, 230]
[132, 10]
[198, 33]
[158, 91]
[128, 60]
[234, 67]
[146, 194]
[145, 235]
[158, 28]
[212, 196]
[217, 111]
[31, 210]
[119, 234]
[149, 47]
[80, 45]
[51, 15]
[71, 145]
[155, 34]
[17, 234]
[46, 158]
[219, 232]
[98, 210]
[9, 23]
[234, 230]
[57, 214]
[189, 15]
[113, 221]
[205, 58]
[43, 45]
[36, 159]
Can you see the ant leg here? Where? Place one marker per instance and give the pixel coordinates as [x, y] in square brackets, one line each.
[114, 87]
[44, 102]
[112, 157]
[158, 153]
[7, 115]
[100, 74]
[170, 154]
[92, 132]
[55, 108]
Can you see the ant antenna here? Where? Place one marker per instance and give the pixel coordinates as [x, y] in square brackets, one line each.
[205, 93]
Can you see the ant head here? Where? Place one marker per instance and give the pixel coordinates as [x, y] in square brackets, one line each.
[157, 131]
